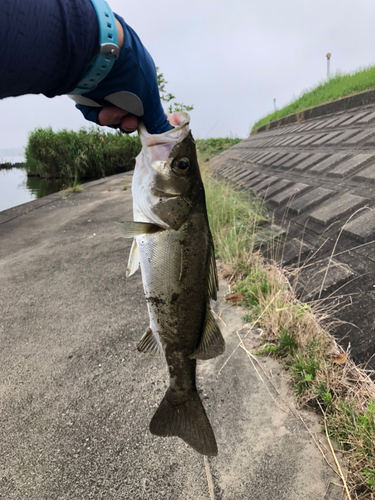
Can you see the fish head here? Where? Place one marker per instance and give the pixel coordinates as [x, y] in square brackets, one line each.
[168, 171]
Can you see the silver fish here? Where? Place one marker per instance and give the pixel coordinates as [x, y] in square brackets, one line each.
[173, 244]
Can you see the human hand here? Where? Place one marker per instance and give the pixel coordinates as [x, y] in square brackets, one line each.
[115, 116]
[129, 92]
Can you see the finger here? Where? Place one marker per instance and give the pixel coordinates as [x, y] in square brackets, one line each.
[129, 123]
[112, 115]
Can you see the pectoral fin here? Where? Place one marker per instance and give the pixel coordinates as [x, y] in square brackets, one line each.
[148, 343]
[132, 229]
[133, 262]
[212, 343]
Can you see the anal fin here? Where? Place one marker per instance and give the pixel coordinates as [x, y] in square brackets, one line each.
[148, 343]
[212, 343]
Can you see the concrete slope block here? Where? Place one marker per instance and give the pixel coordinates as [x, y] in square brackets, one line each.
[289, 193]
[259, 158]
[355, 118]
[229, 169]
[321, 278]
[241, 181]
[365, 135]
[275, 158]
[268, 157]
[343, 137]
[367, 119]
[367, 175]
[264, 184]
[310, 199]
[339, 121]
[289, 140]
[346, 204]
[330, 162]
[301, 139]
[241, 174]
[311, 139]
[250, 155]
[275, 188]
[311, 161]
[294, 250]
[253, 181]
[362, 228]
[314, 125]
[325, 122]
[351, 165]
[288, 157]
[298, 159]
[326, 138]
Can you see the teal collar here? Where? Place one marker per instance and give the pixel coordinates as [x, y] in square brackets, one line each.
[108, 53]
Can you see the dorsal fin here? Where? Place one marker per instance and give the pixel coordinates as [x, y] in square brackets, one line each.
[213, 281]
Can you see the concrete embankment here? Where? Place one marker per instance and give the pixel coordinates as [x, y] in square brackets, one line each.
[317, 177]
[77, 399]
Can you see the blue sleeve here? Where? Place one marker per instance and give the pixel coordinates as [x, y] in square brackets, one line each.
[46, 45]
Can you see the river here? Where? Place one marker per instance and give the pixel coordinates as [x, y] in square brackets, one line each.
[16, 188]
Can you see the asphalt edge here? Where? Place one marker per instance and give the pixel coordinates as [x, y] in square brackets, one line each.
[19, 210]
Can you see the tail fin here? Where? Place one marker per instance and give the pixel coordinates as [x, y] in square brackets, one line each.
[186, 419]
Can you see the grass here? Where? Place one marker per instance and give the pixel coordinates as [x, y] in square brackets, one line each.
[298, 334]
[338, 86]
[208, 148]
[86, 154]
[234, 216]
[75, 188]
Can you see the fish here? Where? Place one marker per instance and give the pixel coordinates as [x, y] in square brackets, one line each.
[173, 245]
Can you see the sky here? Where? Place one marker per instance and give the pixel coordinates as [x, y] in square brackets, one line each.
[227, 58]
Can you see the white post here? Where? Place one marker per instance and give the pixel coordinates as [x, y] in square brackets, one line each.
[274, 103]
[328, 62]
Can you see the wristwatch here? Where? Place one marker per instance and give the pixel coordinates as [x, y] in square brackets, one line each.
[108, 49]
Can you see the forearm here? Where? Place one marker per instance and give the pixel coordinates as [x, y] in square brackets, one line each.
[47, 45]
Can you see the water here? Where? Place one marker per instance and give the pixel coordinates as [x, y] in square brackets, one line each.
[16, 188]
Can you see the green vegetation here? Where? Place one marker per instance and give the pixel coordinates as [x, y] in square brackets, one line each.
[234, 216]
[86, 154]
[340, 85]
[75, 187]
[208, 148]
[7, 165]
[168, 97]
[321, 374]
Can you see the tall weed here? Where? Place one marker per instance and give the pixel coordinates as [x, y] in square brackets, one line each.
[86, 154]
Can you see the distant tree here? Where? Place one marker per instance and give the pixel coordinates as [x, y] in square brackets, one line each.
[168, 97]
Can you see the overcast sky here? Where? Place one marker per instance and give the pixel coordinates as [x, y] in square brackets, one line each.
[228, 58]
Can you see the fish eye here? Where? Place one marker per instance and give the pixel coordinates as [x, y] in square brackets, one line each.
[181, 165]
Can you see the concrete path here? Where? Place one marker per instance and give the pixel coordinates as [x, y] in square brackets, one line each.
[76, 399]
